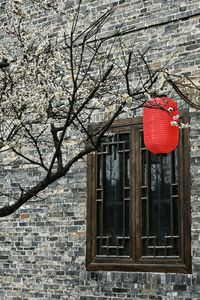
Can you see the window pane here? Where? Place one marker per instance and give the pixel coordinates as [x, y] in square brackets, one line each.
[160, 225]
[159, 196]
[113, 196]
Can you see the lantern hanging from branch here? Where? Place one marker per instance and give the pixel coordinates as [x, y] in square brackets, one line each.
[160, 125]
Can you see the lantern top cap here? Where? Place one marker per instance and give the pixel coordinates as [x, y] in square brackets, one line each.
[165, 103]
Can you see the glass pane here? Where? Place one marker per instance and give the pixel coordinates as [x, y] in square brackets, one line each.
[159, 196]
[113, 178]
[160, 225]
[113, 188]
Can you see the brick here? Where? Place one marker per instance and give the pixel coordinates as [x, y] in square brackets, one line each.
[180, 287]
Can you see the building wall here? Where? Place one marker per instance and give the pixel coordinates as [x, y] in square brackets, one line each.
[42, 245]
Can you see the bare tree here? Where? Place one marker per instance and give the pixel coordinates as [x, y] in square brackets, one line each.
[54, 79]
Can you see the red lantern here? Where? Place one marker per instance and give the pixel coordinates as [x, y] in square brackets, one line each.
[160, 125]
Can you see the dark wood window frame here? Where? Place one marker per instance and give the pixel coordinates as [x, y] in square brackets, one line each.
[135, 261]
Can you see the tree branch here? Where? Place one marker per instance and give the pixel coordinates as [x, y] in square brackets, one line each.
[42, 185]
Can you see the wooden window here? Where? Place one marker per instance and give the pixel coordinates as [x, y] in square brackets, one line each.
[138, 209]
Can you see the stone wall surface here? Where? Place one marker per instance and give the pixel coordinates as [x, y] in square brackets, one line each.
[42, 245]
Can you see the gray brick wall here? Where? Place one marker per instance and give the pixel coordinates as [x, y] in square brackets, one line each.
[42, 245]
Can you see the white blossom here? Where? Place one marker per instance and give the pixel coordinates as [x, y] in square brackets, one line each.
[174, 123]
[184, 125]
[175, 117]
[17, 122]
[170, 109]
